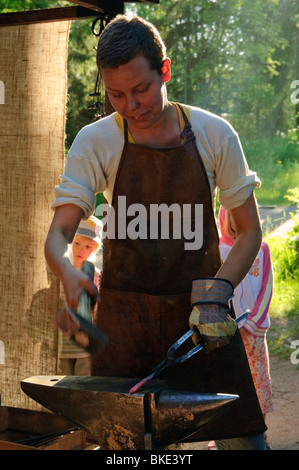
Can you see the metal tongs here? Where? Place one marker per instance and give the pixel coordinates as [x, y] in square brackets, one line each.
[171, 360]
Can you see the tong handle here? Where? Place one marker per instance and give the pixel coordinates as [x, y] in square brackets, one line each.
[171, 351]
[189, 354]
[170, 359]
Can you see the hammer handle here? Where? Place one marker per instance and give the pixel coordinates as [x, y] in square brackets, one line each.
[84, 306]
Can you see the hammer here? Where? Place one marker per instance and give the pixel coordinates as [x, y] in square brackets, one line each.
[78, 326]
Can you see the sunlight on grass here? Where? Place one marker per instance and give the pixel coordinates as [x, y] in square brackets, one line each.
[276, 163]
[285, 300]
[284, 308]
[281, 177]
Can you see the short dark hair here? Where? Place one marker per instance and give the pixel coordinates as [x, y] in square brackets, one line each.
[125, 38]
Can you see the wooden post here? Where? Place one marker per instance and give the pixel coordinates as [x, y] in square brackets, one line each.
[33, 71]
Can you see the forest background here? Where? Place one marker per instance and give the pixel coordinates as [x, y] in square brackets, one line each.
[238, 59]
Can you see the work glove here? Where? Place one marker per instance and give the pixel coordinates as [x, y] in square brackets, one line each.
[210, 306]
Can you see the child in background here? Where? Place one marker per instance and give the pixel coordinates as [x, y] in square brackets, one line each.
[73, 359]
[254, 293]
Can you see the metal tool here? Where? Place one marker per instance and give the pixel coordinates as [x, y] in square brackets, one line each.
[78, 325]
[171, 360]
[151, 419]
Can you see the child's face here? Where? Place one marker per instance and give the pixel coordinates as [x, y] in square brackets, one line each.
[83, 247]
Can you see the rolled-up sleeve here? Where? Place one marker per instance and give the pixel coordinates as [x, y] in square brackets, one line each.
[91, 165]
[83, 177]
[71, 192]
[233, 177]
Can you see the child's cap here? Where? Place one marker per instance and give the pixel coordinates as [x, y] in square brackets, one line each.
[91, 228]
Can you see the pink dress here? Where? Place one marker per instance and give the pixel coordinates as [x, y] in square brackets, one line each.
[254, 293]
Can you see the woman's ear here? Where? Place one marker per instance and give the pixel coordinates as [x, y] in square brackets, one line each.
[166, 70]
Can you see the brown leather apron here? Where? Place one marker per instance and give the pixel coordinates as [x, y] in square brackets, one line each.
[146, 283]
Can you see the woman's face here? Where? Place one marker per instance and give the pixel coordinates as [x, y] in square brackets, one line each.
[137, 92]
[82, 247]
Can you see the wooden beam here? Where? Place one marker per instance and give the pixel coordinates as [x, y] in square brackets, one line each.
[116, 6]
[95, 4]
[84, 9]
[46, 15]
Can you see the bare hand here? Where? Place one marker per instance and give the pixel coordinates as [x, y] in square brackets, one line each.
[74, 283]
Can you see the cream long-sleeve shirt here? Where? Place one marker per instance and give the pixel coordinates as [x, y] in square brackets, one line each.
[93, 160]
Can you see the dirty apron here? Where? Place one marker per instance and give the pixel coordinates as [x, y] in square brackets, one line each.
[146, 282]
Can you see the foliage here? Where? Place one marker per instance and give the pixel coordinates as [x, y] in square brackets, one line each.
[236, 58]
[276, 162]
[82, 73]
[284, 308]
[20, 5]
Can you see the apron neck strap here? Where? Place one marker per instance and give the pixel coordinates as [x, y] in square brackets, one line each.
[126, 130]
[186, 132]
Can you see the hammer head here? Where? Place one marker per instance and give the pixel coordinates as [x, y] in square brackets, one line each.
[81, 331]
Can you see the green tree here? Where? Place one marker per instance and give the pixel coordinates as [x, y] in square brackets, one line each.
[21, 5]
[82, 74]
[236, 58]
[232, 57]
[285, 57]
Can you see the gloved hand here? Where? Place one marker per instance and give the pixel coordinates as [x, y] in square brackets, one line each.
[210, 305]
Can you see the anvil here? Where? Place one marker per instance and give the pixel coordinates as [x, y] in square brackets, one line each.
[152, 418]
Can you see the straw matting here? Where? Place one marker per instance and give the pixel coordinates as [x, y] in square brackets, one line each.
[33, 63]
